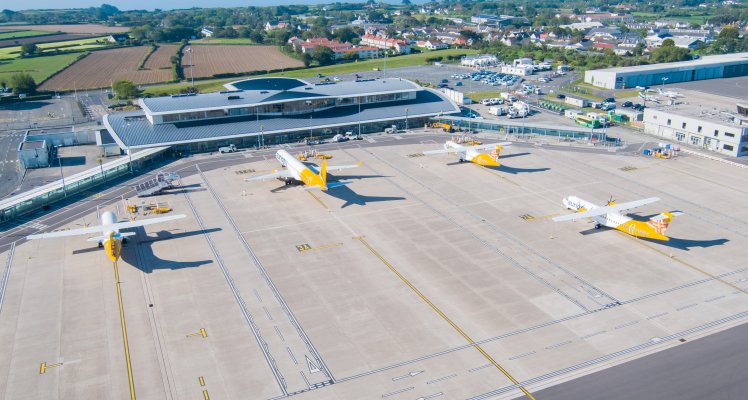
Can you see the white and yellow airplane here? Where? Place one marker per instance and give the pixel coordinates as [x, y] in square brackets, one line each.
[304, 173]
[472, 153]
[110, 237]
[610, 216]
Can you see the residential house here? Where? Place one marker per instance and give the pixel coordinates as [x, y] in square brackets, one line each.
[270, 26]
[432, 44]
[207, 31]
[383, 42]
[118, 38]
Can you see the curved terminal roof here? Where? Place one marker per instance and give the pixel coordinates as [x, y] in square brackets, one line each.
[290, 89]
[133, 130]
[266, 84]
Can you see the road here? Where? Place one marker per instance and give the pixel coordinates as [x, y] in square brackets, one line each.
[10, 169]
[714, 368]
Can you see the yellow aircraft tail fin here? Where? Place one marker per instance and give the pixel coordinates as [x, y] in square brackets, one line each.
[661, 222]
[323, 173]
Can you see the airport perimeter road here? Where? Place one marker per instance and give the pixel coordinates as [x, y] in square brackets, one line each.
[10, 175]
[714, 367]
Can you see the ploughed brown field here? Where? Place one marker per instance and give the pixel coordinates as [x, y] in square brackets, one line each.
[101, 68]
[161, 58]
[211, 60]
[91, 29]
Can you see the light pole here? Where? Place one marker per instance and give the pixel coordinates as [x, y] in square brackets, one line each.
[192, 77]
[262, 136]
[406, 120]
[359, 116]
[101, 165]
[311, 113]
[59, 160]
[664, 78]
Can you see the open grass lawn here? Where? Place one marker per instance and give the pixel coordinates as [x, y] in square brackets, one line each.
[69, 44]
[330, 70]
[222, 41]
[40, 68]
[21, 34]
[488, 94]
[627, 94]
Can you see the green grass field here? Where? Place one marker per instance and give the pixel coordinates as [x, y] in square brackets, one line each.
[244, 41]
[75, 43]
[69, 45]
[330, 70]
[21, 34]
[40, 68]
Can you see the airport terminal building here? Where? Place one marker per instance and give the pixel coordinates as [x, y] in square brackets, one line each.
[708, 121]
[275, 110]
[709, 67]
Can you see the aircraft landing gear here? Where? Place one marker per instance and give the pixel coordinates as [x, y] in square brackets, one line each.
[597, 226]
[461, 160]
[101, 245]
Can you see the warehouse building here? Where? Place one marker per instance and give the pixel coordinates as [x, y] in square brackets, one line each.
[708, 121]
[268, 111]
[709, 67]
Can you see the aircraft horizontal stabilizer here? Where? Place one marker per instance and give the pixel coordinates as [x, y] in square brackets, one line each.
[342, 167]
[663, 216]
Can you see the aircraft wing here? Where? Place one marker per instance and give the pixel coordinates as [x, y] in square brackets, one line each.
[605, 210]
[443, 151]
[488, 146]
[334, 168]
[142, 222]
[69, 232]
[277, 174]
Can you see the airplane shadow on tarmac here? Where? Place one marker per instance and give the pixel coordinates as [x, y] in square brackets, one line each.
[352, 198]
[676, 243]
[506, 169]
[687, 244]
[150, 261]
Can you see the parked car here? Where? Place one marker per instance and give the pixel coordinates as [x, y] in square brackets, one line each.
[627, 104]
[610, 100]
[560, 96]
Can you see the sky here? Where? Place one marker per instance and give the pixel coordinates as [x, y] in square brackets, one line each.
[162, 4]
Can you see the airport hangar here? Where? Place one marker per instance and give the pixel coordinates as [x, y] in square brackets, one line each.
[709, 67]
[268, 111]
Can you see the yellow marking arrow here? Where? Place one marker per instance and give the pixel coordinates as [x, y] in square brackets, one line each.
[201, 332]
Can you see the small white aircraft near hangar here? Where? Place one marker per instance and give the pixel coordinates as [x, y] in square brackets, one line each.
[472, 153]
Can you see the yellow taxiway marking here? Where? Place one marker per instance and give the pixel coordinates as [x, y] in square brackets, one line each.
[444, 317]
[528, 217]
[318, 200]
[205, 395]
[124, 332]
[306, 247]
[202, 381]
[201, 333]
[44, 367]
[490, 171]
[689, 265]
